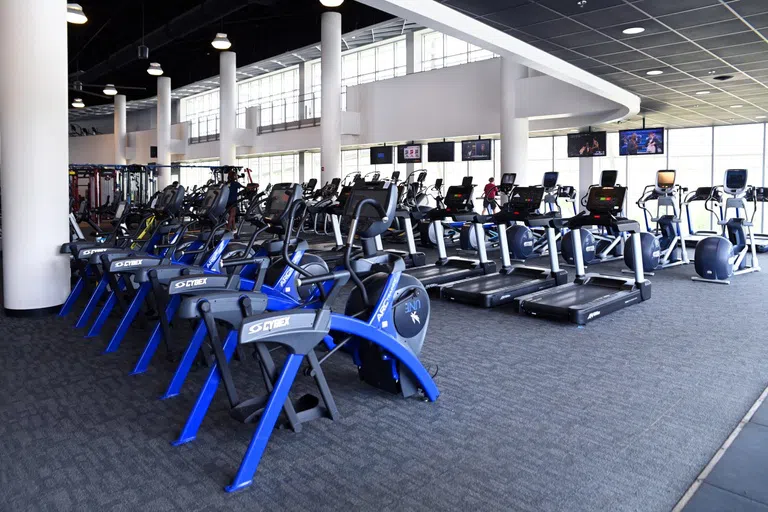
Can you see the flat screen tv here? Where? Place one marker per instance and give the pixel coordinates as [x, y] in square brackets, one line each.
[409, 154]
[381, 155]
[476, 150]
[441, 152]
[588, 144]
[649, 141]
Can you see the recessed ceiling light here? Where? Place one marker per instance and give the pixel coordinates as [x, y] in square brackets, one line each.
[712, 72]
[736, 106]
[654, 72]
[702, 93]
[759, 117]
[633, 30]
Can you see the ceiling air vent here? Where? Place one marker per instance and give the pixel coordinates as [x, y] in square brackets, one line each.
[722, 78]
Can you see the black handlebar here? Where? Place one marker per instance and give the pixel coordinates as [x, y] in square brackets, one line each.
[338, 275]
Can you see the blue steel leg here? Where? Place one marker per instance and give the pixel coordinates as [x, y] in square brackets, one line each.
[73, 296]
[174, 388]
[189, 432]
[266, 425]
[151, 347]
[82, 321]
[128, 318]
[105, 311]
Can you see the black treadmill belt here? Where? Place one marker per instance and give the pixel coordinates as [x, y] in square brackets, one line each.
[491, 283]
[576, 296]
[435, 274]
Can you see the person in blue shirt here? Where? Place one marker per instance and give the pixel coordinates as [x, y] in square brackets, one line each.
[234, 186]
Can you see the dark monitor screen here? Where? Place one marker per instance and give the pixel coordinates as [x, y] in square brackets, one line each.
[508, 178]
[476, 150]
[550, 179]
[606, 199]
[279, 199]
[441, 151]
[466, 181]
[458, 196]
[372, 190]
[649, 141]
[409, 153]
[439, 183]
[311, 184]
[526, 198]
[735, 179]
[608, 178]
[381, 155]
[395, 176]
[586, 144]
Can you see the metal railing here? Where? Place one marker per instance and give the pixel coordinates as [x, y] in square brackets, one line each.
[204, 128]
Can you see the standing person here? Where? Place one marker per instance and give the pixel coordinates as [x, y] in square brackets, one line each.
[489, 197]
[234, 185]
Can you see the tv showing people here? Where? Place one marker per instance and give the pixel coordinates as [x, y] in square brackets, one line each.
[587, 144]
[441, 152]
[476, 150]
[381, 155]
[409, 153]
[648, 141]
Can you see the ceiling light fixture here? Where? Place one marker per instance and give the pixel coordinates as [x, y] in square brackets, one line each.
[220, 42]
[110, 90]
[331, 3]
[78, 103]
[155, 69]
[736, 106]
[633, 30]
[75, 14]
[702, 93]
[654, 72]
[759, 117]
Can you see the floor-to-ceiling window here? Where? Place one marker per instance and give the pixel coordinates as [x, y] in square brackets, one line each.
[440, 50]
[277, 94]
[272, 168]
[202, 113]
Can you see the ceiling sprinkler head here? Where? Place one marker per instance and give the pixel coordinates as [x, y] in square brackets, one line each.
[581, 3]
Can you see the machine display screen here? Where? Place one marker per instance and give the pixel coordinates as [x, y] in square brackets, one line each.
[508, 178]
[606, 199]
[526, 198]
[441, 151]
[458, 197]
[735, 179]
[665, 179]
[550, 179]
[409, 153]
[587, 144]
[381, 155]
[378, 194]
[641, 142]
[278, 199]
[476, 150]
[608, 178]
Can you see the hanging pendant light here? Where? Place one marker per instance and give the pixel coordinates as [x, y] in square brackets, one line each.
[110, 90]
[78, 103]
[75, 14]
[220, 42]
[155, 69]
[331, 3]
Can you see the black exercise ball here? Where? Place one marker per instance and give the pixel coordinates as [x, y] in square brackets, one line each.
[650, 249]
[714, 258]
[520, 241]
[587, 246]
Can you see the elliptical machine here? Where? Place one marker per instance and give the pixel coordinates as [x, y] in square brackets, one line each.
[665, 246]
[717, 258]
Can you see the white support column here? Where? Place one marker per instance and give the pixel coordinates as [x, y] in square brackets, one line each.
[586, 178]
[410, 53]
[35, 148]
[163, 131]
[120, 130]
[303, 167]
[514, 131]
[227, 108]
[302, 90]
[330, 123]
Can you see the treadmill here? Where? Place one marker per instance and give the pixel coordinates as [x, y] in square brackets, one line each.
[702, 194]
[591, 296]
[458, 205]
[512, 281]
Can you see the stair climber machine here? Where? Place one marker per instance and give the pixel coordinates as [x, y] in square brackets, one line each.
[602, 243]
[663, 246]
[590, 296]
[718, 258]
[512, 281]
[383, 328]
[712, 199]
[317, 222]
[459, 207]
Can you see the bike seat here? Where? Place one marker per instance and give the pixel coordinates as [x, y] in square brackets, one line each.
[225, 305]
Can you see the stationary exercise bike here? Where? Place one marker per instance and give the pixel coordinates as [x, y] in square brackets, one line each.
[663, 247]
[717, 258]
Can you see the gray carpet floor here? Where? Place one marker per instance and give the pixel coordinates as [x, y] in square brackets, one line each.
[534, 416]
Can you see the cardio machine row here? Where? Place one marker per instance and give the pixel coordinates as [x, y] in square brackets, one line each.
[267, 294]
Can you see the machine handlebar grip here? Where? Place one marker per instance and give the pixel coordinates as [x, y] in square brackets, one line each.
[332, 276]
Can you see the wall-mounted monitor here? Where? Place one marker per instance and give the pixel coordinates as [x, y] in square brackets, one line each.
[476, 150]
[409, 154]
[441, 152]
[649, 141]
[586, 144]
[381, 155]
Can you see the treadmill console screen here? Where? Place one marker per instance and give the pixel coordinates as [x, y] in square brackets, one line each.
[458, 198]
[508, 178]
[550, 179]
[735, 180]
[526, 198]
[606, 199]
[608, 178]
[376, 190]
